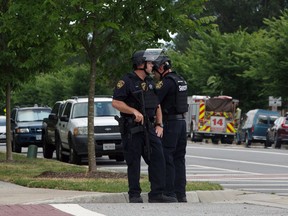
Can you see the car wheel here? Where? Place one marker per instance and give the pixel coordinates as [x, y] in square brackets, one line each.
[267, 142]
[230, 139]
[224, 140]
[215, 140]
[15, 146]
[47, 149]
[74, 158]
[196, 138]
[119, 158]
[277, 142]
[59, 151]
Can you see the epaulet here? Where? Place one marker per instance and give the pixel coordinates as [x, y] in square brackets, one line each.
[174, 75]
[132, 75]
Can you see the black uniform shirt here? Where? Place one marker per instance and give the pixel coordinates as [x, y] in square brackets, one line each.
[125, 87]
[166, 91]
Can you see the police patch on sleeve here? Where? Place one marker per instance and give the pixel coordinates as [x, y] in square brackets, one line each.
[120, 84]
[159, 85]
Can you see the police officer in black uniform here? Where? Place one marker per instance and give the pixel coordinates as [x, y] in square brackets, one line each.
[140, 124]
[172, 93]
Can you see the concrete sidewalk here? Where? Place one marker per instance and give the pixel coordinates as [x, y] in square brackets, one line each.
[14, 194]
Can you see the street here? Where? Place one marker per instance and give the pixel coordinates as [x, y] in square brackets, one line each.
[233, 166]
[236, 167]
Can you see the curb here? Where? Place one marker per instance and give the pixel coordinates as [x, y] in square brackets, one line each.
[223, 196]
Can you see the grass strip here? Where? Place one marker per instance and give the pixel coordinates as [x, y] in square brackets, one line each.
[30, 172]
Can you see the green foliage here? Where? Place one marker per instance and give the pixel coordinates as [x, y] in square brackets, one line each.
[233, 15]
[269, 61]
[24, 41]
[249, 67]
[46, 89]
[214, 64]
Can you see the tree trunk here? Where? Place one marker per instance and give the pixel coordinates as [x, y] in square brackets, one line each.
[91, 144]
[9, 156]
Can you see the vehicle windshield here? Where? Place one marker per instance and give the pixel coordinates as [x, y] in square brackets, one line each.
[32, 115]
[104, 108]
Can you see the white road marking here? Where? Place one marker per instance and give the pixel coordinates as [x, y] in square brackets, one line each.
[221, 169]
[263, 189]
[75, 210]
[239, 150]
[256, 186]
[237, 161]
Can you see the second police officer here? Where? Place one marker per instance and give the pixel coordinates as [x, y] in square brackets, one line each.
[134, 96]
[172, 93]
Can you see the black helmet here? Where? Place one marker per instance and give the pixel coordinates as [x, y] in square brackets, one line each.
[162, 59]
[138, 58]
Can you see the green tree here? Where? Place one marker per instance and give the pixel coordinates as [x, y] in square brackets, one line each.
[269, 63]
[25, 46]
[233, 15]
[214, 64]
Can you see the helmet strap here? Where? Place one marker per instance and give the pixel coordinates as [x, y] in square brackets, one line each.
[144, 69]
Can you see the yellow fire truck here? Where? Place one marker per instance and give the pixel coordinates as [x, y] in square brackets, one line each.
[216, 118]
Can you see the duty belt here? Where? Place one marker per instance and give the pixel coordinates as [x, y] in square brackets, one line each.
[173, 117]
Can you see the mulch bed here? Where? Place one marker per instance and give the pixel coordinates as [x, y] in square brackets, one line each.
[97, 174]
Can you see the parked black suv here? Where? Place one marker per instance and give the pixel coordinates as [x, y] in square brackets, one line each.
[26, 126]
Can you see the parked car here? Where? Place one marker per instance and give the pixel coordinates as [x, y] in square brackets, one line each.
[71, 131]
[50, 129]
[256, 122]
[26, 126]
[2, 128]
[277, 133]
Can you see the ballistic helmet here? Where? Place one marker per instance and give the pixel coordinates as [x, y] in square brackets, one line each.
[141, 56]
[162, 59]
[138, 58]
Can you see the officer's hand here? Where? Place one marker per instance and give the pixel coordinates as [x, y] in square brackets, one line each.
[138, 117]
[159, 131]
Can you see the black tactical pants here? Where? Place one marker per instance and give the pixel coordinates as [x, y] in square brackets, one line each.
[133, 150]
[174, 145]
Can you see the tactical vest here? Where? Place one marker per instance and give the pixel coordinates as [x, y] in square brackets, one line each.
[146, 87]
[181, 104]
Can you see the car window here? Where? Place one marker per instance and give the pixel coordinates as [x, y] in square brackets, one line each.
[32, 114]
[67, 110]
[2, 122]
[55, 108]
[105, 109]
[277, 121]
[80, 110]
[262, 119]
[273, 118]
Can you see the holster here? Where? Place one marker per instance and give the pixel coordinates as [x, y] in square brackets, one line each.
[121, 123]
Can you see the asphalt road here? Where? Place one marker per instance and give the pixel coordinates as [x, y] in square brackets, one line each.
[233, 166]
[236, 167]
